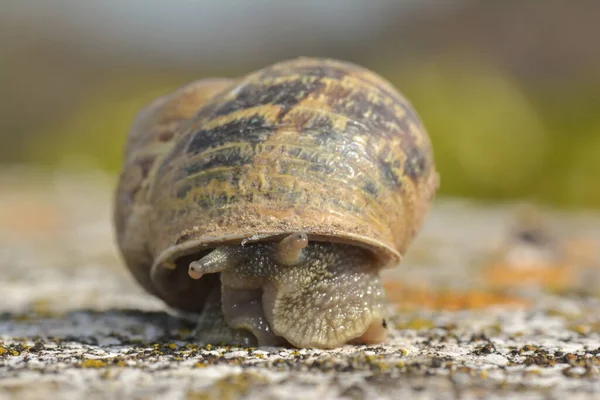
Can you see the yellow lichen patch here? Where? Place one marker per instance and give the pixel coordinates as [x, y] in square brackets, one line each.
[119, 363]
[414, 297]
[416, 324]
[234, 386]
[197, 396]
[5, 351]
[42, 307]
[93, 363]
[581, 329]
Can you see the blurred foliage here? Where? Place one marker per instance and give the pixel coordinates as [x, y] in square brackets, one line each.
[497, 139]
[93, 135]
[492, 138]
[488, 138]
[509, 91]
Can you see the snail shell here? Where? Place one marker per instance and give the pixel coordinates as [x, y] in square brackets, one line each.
[269, 204]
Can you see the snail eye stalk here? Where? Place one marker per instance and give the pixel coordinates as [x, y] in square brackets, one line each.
[217, 260]
[289, 250]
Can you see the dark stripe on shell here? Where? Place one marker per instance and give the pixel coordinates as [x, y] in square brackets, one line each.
[248, 130]
[371, 188]
[377, 117]
[285, 94]
[229, 157]
[416, 164]
[388, 172]
[338, 70]
[233, 175]
[371, 111]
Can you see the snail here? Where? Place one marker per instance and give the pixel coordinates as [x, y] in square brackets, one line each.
[266, 206]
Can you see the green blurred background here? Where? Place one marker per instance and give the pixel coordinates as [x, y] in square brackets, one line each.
[509, 90]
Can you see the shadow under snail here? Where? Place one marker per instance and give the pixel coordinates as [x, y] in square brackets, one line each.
[266, 206]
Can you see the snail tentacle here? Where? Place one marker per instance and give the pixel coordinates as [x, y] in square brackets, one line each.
[289, 250]
[217, 260]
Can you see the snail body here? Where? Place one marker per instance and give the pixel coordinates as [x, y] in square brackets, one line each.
[269, 204]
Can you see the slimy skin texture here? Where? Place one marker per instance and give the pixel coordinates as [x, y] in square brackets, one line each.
[222, 173]
[324, 295]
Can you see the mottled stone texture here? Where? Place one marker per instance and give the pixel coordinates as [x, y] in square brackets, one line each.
[481, 308]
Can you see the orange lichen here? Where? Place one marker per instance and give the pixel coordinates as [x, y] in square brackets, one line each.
[26, 217]
[561, 271]
[558, 276]
[584, 252]
[411, 297]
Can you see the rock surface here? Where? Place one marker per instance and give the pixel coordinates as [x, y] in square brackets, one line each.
[489, 302]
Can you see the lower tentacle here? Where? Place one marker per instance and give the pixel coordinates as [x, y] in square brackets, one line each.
[212, 327]
[243, 309]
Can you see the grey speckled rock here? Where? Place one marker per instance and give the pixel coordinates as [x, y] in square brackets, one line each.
[74, 324]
